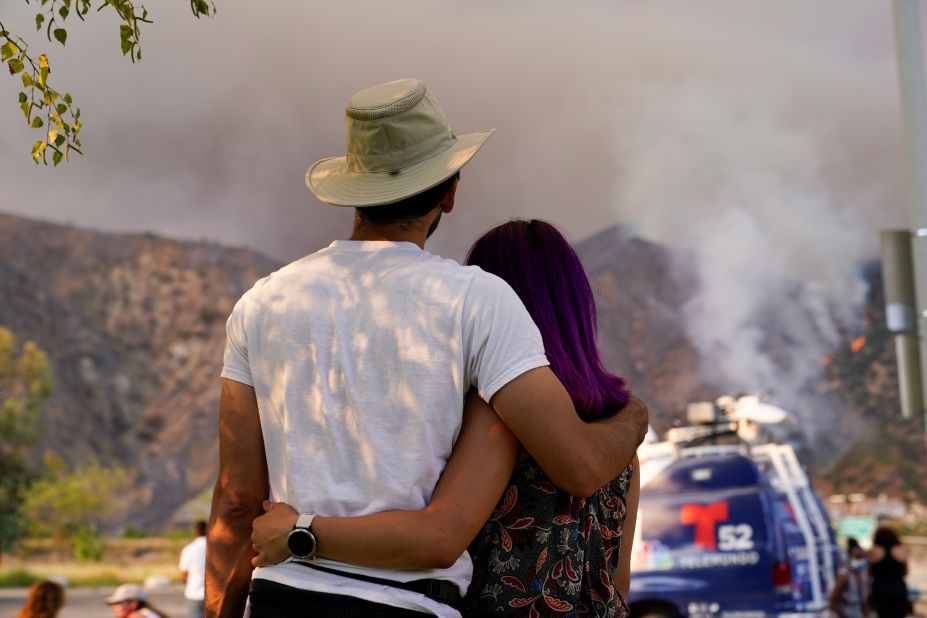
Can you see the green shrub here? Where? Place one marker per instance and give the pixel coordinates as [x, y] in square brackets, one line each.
[97, 580]
[89, 546]
[18, 578]
[133, 532]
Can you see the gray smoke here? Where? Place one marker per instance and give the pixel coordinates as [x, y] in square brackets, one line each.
[760, 138]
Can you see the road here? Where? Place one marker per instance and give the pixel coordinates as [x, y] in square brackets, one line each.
[91, 603]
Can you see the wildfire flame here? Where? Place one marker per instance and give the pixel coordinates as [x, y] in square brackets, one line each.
[858, 344]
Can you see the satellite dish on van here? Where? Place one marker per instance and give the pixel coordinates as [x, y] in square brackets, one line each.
[750, 408]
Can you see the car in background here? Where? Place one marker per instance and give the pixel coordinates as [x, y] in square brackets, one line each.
[729, 527]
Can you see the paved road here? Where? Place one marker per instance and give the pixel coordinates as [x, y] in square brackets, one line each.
[90, 603]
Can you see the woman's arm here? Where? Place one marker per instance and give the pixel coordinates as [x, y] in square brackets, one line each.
[469, 489]
[622, 577]
[836, 595]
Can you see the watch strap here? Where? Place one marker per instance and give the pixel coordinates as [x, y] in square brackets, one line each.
[304, 521]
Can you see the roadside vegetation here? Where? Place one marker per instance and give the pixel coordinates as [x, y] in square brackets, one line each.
[46, 498]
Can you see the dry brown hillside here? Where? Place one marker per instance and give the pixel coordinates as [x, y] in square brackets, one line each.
[134, 327]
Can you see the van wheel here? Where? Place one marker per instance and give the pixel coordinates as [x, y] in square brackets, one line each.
[655, 609]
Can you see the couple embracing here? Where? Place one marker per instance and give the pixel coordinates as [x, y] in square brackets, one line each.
[398, 408]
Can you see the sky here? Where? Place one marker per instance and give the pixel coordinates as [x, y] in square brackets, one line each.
[763, 139]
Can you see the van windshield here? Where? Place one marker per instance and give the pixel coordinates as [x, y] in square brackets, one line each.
[698, 515]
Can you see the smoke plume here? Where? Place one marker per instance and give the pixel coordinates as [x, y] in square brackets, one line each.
[760, 139]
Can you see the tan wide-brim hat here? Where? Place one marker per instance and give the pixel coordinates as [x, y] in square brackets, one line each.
[399, 144]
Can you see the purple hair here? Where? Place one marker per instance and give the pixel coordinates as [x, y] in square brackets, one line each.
[537, 261]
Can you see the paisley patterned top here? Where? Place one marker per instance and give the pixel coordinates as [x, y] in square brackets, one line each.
[547, 553]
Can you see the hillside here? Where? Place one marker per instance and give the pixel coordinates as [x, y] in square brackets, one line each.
[134, 327]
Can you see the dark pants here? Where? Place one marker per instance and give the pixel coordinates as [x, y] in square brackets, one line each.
[195, 608]
[272, 600]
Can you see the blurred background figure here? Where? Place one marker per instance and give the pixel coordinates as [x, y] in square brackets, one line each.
[193, 568]
[848, 597]
[44, 601]
[131, 601]
[888, 566]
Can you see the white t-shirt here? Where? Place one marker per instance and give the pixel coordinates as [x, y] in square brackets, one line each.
[193, 563]
[360, 356]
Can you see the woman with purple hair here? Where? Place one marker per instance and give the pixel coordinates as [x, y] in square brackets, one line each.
[538, 551]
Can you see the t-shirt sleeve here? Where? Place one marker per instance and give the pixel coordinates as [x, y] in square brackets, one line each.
[183, 564]
[235, 360]
[502, 340]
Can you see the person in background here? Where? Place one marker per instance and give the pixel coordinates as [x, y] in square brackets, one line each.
[848, 597]
[44, 601]
[131, 601]
[888, 566]
[192, 565]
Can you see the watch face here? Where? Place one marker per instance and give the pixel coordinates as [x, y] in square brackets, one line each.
[301, 543]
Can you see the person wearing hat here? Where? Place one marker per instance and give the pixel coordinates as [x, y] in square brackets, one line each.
[346, 372]
[131, 601]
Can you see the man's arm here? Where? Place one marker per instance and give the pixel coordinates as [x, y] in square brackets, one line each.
[240, 489]
[578, 457]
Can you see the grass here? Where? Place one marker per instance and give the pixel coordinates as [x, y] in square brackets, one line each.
[125, 561]
[83, 575]
[18, 578]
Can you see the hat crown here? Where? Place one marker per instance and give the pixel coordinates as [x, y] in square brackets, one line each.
[386, 99]
[393, 126]
[127, 592]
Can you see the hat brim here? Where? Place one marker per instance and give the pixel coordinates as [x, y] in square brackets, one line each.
[332, 183]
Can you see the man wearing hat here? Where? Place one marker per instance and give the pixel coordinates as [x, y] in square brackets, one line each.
[345, 375]
[131, 601]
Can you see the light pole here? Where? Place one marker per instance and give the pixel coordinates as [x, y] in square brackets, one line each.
[911, 77]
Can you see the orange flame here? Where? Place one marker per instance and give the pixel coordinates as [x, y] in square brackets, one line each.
[858, 344]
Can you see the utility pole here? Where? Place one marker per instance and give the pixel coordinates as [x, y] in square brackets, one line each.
[911, 77]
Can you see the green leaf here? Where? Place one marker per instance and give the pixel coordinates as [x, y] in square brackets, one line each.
[61, 35]
[67, 98]
[37, 123]
[59, 140]
[16, 66]
[62, 108]
[63, 11]
[39, 20]
[7, 50]
[26, 109]
[22, 97]
[43, 75]
[27, 80]
[57, 156]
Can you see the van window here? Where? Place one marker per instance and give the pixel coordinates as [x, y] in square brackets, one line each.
[689, 475]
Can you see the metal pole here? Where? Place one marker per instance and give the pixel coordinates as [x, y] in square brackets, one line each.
[901, 316]
[908, 26]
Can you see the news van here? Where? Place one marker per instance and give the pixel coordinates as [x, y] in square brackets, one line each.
[729, 527]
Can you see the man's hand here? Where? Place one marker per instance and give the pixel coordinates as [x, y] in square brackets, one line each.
[578, 457]
[269, 533]
[636, 413]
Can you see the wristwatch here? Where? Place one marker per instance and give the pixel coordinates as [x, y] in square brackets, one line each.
[301, 541]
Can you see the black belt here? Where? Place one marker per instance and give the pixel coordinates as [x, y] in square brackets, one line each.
[438, 590]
